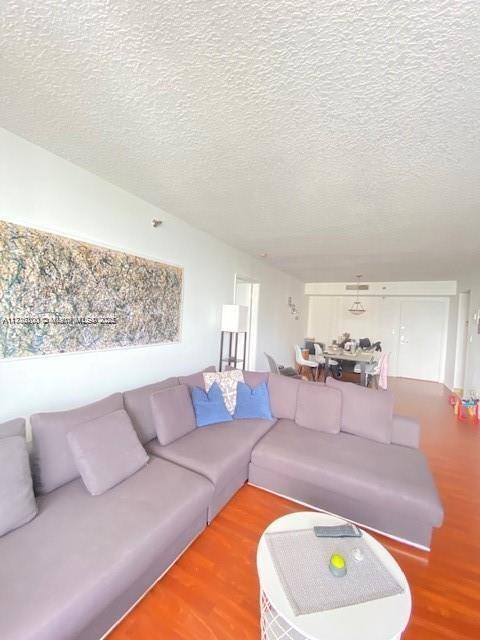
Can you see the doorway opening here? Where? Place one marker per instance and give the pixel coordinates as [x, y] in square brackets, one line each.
[247, 294]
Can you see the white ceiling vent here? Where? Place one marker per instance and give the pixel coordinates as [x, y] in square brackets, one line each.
[357, 287]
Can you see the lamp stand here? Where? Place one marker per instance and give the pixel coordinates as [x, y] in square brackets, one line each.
[232, 359]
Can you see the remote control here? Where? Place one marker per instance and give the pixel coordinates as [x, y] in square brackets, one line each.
[338, 531]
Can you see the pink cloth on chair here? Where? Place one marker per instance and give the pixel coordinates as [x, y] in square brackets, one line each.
[382, 371]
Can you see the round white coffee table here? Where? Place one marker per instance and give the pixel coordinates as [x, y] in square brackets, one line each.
[382, 619]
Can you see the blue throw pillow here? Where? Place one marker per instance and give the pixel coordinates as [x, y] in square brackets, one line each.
[253, 402]
[209, 406]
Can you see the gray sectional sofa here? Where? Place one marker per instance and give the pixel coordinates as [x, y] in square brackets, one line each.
[77, 567]
[373, 475]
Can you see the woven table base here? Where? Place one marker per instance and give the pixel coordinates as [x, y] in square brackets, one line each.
[276, 627]
[273, 625]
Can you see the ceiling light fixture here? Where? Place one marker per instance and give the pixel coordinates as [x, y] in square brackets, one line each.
[357, 308]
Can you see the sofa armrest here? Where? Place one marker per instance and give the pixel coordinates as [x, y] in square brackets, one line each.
[406, 431]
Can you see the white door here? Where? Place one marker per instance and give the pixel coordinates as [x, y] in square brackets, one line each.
[421, 345]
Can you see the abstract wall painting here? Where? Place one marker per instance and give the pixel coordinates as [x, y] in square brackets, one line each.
[59, 295]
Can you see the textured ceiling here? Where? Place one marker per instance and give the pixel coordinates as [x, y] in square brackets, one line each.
[340, 137]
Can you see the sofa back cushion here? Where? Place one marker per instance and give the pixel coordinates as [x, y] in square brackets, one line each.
[53, 463]
[319, 407]
[17, 502]
[254, 378]
[196, 379]
[172, 412]
[137, 404]
[15, 427]
[283, 395]
[365, 412]
[106, 451]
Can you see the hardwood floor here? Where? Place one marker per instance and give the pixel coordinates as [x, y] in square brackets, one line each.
[212, 591]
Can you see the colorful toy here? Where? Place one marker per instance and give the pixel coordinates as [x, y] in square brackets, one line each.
[465, 408]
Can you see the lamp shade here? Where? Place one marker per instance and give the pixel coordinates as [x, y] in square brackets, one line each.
[234, 318]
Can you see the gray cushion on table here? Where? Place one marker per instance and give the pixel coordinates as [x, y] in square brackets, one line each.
[81, 553]
[53, 463]
[106, 451]
[137, 404]
[362, 469]
[173, 413]
[365, 412]
[318, 407]
[283, 395]
[17, 502]
[15, 427]
[220, 452]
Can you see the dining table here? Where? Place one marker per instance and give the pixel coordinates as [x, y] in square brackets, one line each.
[361, 357]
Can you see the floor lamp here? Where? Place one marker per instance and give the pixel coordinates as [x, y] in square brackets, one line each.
[234, 323]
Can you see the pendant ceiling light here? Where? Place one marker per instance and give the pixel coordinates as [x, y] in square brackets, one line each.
[357, 308]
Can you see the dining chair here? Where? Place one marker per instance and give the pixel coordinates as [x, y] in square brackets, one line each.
[279, 369]
[274, 368]
[320, 358]
[306, 365]
[377, 370]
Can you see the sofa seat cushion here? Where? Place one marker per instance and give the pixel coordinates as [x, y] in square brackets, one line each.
[67, 566]
[217, 451]
[362, 469]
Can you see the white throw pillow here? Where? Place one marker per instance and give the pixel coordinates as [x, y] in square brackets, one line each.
[227, 381]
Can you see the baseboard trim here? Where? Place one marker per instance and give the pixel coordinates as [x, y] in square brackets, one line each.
[360, 524]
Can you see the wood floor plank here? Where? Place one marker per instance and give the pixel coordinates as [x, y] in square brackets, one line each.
[212, 591]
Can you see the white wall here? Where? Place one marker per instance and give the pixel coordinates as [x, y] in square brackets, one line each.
[328, 318]
[41, 190]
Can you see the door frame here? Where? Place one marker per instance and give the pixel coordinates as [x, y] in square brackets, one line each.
[252, 334]
[461, 343]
